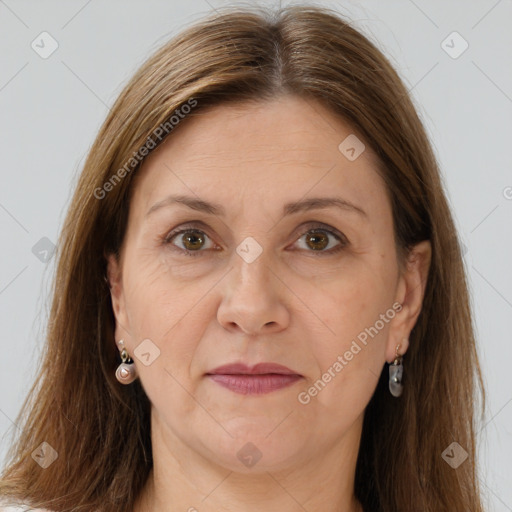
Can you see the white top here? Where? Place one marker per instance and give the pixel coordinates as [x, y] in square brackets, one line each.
[9, 507]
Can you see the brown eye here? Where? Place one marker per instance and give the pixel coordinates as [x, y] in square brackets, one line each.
[193, 240]
[321, 240]
[317, 240]
[190, 241]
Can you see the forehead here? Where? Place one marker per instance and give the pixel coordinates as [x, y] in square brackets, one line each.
[285, 148]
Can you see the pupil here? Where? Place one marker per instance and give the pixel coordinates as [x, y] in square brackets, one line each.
[314, 239]
[194, 240]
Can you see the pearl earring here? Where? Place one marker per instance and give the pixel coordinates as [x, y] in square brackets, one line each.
[395, 375]
[126, 372]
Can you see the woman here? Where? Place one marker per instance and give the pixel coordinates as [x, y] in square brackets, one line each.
[260, 296]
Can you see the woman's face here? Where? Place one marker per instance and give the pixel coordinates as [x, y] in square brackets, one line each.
[274, 273]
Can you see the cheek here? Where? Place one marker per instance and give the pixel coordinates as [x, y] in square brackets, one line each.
[355, 308]
[173, 319]
[356, 296]
[166, 312]
[155, 289]
[348, 362]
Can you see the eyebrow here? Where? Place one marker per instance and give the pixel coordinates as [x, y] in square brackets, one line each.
[314, 203]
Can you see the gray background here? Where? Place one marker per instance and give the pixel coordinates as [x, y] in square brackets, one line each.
[52, 108]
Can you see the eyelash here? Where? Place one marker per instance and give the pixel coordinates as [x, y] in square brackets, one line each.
[312, 228]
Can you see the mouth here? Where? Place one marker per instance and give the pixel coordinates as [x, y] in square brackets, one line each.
[256, 380]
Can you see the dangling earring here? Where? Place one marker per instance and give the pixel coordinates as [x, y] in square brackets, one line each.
[395, 375]
[126, 372]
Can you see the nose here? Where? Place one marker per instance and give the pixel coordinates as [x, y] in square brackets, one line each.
[253, 298]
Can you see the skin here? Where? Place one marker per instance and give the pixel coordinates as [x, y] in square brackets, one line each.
[292, 305]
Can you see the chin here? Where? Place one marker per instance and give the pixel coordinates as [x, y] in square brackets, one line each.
[257, 449]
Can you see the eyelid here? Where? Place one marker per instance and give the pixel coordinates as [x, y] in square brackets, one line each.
[322, 226]
[194, 225]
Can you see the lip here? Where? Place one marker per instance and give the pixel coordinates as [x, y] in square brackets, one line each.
[257, 369]
[255, 380]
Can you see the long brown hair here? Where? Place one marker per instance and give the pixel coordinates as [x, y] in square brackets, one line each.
[100, 429]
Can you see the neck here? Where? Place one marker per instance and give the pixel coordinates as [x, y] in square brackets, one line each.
[183, 480]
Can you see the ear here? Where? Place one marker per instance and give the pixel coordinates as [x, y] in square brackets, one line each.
[410, 293]
[115, 282]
